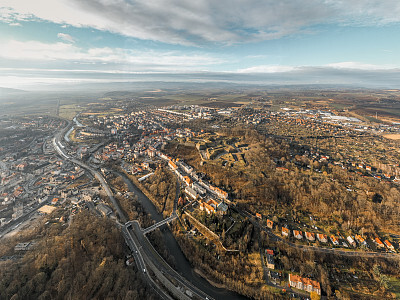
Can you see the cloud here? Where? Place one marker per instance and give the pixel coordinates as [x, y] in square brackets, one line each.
[65, 54]
[267, 69]
[347, 66]
[66, 37]
[205, 21]
[359, 66]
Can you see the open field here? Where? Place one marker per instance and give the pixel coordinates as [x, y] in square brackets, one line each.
[69, 111]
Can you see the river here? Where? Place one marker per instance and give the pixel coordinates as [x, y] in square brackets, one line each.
[182, 265]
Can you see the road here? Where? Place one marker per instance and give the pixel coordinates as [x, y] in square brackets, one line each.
[161, 264]
[137, 255]
[10, 226]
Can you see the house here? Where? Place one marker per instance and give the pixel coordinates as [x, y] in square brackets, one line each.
[379, 243]
[360, 240]
[259, 216]
[270, 261]
[305, 284]
[285, 232]
[323, 238]
[388, 244]
[334, 240]
[298, 234]
[310, 236]
[270, 224]
[351, 241]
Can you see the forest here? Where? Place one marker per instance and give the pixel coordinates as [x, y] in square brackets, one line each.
[85, 260]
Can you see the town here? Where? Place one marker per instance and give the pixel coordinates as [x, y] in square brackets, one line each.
[185, 143]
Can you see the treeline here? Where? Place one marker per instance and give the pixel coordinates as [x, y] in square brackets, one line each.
[84, 261]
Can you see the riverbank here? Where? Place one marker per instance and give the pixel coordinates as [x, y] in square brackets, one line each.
[213, 283]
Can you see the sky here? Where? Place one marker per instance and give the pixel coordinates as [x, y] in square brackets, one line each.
[66, 42]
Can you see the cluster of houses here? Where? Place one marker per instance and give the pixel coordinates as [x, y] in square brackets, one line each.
[354, 241]
[211, 198]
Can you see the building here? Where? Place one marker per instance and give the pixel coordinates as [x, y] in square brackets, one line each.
[213, 203]
[222, 194]
[270, 261]
[360, 240]
[208, 208]
[323, 238]
[191, 192]
[222, 207]
[24, 246]
[285, 232]
[199, 189]
[334, 240]
[305, 284]
[388, 244]
[172, 165]
[379, 243]
[104, 209]
[351, 241]
[270, 224]
[298, 234]
[310, 236]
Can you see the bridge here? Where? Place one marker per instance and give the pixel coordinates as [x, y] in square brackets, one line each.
[155, 226]
[159, 224]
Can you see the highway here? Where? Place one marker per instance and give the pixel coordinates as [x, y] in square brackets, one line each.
[161, 264]
[145, 254]
[137, 255]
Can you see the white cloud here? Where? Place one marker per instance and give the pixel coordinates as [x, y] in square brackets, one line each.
[67, 53]
[267, 69]
[359, 66]
[66, 37]
[201, 21]
[348, 65]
